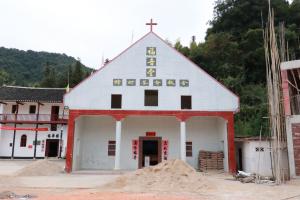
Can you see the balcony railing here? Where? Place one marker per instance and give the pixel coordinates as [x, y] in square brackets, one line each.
[33, 118]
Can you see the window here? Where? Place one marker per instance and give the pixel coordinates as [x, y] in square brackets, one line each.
[32, 109]
[14, 108]
[53, 128]
[23, 141]
[189, 149]
[111, 148]
[116, 101]
[261, 149]
[151, 97]
[186, 102]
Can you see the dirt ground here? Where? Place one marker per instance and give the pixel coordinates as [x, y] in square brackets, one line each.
[83, 186]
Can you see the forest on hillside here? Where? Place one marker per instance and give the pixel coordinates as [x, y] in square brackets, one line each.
[41, 69]
[233, 53]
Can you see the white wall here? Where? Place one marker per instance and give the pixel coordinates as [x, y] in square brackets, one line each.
[6, 136]
[91, 142]
[24, 109]
[206, 133]
[207, 94]
[256, 162]
[289, 121]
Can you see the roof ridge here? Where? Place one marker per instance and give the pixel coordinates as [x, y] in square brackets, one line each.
[24, 87]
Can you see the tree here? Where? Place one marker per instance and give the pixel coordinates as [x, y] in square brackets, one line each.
[49, 77]
[77, 75]
[4, 77]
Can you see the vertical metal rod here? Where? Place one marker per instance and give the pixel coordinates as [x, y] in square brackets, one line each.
[36, 129]
[15, 131]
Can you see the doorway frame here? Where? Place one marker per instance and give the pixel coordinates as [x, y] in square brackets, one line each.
[47, 147]
[149, 138]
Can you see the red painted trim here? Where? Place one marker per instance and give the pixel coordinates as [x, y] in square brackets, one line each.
[70, 142]
[285, 92]
[181, 115]
[230, 143]
[23, 129]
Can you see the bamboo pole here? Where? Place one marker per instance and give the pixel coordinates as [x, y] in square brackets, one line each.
[275, 96]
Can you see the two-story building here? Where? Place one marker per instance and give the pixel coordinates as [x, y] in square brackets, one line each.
[149, 104]
[33, 122]
[290, 72]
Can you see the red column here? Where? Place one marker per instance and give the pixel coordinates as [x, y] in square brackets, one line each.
[230, 144]
[285, 91]
[70, 142]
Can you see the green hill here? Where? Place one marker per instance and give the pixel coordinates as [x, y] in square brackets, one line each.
[27, 68]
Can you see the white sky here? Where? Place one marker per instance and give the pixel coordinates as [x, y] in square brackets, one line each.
[89, 29]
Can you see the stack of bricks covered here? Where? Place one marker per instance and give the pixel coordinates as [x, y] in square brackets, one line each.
[210, 160]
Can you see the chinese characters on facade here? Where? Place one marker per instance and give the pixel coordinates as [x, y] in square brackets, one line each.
[151, 72]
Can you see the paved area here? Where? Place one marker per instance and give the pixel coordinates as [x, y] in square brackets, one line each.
[9, 167]
[86, 185]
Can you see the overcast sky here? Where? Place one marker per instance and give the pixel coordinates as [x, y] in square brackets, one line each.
[91, 29]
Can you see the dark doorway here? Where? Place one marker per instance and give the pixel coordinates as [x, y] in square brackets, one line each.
[240, 160]
[151, 147]
[52, 146]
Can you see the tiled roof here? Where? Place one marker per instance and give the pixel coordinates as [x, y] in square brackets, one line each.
[30, 94]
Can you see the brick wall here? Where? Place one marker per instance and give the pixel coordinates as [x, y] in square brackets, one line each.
[296, 143]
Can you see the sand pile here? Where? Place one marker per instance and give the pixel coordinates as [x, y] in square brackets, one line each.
[168, 176]
[41, 168]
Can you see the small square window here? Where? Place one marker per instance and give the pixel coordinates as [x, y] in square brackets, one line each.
[32, 109]
[111, 148]
[189, 149]
[116, 101]
[186, 102]
[151, 98]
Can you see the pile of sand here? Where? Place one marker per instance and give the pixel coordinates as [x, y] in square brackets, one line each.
[41, 168]
[168, 176]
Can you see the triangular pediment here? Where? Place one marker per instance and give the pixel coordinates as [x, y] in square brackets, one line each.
[151, 64]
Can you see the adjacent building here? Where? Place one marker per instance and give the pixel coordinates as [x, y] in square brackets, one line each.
[290, 72]
[33, 122]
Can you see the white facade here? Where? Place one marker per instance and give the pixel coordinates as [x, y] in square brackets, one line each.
[6, 136]
[290, 120]
[256, 157]
[207, 93]
[92, 132]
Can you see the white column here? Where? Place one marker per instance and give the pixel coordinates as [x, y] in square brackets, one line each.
[118, 144]
[182, 141]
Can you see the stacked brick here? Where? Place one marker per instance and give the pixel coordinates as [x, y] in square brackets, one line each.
[210, 160]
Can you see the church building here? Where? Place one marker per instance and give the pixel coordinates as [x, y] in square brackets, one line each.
[148, 104]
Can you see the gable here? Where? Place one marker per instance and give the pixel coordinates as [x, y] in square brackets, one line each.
[130, 66]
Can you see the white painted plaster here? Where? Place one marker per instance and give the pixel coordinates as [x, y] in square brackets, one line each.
[6, 136]
[289, 121]
[207, 94]
[118, 144]
[94, 132]
[293, 64]
[183, 141]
